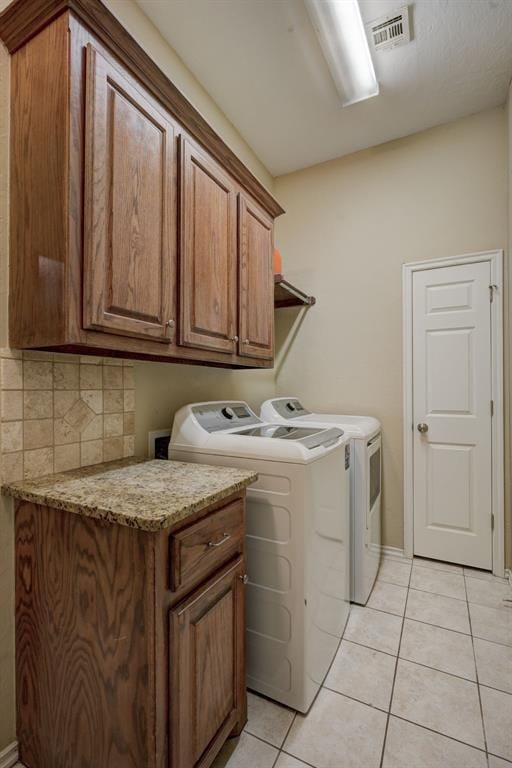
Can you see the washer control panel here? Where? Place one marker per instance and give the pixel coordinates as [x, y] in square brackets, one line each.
[214, 417]
[290, 409]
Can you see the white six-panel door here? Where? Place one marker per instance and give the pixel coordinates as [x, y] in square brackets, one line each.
[452, 463]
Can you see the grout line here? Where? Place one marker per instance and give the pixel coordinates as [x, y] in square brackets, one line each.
[394, 676]
[382, 580]
[441, 671]
[438, 733]
[354, 698]
[438, 594]
[476, 673]
[439, 626]
[370, 647]
[284, 740]
[300, 759]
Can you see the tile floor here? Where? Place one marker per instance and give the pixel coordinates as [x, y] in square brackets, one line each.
[422, 679]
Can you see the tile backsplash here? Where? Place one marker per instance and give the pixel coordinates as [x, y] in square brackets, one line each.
[60, 412]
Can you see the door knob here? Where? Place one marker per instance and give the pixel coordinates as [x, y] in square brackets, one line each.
[422, 427]
[171, 323]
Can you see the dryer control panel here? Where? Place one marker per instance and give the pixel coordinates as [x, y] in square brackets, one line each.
[214, 417]
[290, 409]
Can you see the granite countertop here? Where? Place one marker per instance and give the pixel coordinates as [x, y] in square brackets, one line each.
[150, 495]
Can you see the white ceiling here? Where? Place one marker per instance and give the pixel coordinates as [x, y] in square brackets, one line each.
[261, 63]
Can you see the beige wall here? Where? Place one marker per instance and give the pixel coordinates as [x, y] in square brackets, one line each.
[350, 225]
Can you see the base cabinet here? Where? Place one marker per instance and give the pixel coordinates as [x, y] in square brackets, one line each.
[114, 668]
[207, 668]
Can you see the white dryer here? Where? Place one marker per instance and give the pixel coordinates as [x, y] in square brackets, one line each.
[365, 483]
[298, 539]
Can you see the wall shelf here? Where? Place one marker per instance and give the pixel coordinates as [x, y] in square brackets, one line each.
[287, 295]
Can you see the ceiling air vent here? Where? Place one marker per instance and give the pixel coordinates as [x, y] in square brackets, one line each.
[391, 30]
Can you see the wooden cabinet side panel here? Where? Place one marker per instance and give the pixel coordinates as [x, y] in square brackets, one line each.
[38, 194]
[256, 281]
[85, 629]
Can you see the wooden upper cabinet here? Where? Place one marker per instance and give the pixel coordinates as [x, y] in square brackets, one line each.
[130, 200]
[135, 231]
[208, 269]
[256, 281]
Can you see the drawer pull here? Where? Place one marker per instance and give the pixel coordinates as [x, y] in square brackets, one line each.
[225, 537]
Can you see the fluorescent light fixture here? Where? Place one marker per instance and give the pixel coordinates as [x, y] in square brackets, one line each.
[340, 31]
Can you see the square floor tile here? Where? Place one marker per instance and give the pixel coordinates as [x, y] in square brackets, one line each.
[287, 761]
[395, 572]
[363, 674]
[338, 732]
[446, 704]
[442, 611]
[388, 597]
[490, 593]
[498, 762]
[245, 752]
[497, 709]
[493, 624]
[437, 565]
[494, 664]
[438, 582]
[410, 746]
[374, 629]
[439, 648]
[268, 720]
[476, 573]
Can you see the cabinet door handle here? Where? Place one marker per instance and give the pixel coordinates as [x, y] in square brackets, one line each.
[225, 537]
[234, 338]
[244, 577]
[171, 323]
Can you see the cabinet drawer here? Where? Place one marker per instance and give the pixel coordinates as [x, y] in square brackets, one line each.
[202, 547]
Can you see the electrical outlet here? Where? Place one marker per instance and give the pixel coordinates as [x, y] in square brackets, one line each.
[158, 443]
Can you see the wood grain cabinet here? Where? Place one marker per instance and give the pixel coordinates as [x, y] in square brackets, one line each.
[206, 637]
[129, 207]
[135, 230]
[256, 281]
[208, 253]
[115, 667]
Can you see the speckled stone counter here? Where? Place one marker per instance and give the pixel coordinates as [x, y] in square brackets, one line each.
[150, 495]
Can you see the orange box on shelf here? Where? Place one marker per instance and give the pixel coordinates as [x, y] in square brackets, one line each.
[278, 262]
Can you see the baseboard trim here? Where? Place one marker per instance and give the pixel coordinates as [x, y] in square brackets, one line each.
[9, 755]
[396, 552]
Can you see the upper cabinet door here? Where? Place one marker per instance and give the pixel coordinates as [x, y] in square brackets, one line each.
[208, 272]
[130, 202]
[256, 281]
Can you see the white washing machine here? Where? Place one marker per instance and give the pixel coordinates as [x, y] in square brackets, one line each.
[365, 483]
[298, 539]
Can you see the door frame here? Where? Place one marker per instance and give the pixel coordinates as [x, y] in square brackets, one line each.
[495, 259]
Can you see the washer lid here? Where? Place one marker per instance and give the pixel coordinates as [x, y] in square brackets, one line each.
[278, 409]
[310, 437]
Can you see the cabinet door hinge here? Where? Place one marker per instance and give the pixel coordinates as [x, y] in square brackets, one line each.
[492, 288]
[492, 407]
[492, 521]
